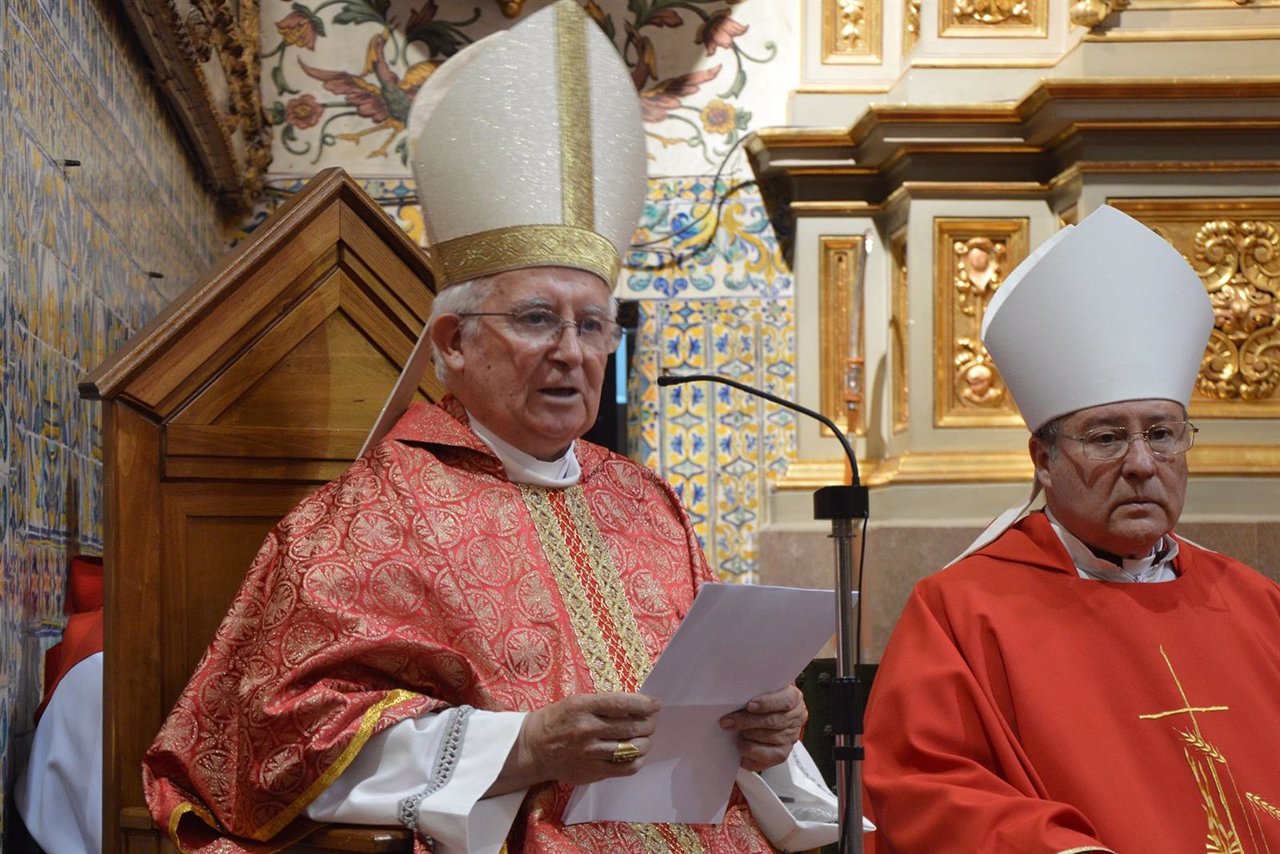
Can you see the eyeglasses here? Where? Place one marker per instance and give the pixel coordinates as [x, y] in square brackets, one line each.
[541, 327]
[1166, 439]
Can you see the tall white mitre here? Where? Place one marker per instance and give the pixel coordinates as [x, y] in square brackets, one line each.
[1102, 312]
[528, 150]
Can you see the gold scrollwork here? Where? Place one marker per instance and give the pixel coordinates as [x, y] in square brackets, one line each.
[851, 31]
[972, 258]
[993, 18]
[991, 11]
[1240, 265]
[1233, 244]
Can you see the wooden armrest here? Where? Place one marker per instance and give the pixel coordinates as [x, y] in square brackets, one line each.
[355, 839]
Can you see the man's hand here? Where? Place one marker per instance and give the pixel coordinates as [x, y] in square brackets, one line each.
[573, 740]
[768, 727]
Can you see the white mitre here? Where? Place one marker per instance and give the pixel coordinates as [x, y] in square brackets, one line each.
[528, 149]
[1101, 312]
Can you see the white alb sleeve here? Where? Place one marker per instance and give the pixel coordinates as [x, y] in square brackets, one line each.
[791, 803]
[437, 768]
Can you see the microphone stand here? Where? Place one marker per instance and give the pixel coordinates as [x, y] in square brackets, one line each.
[842, 505]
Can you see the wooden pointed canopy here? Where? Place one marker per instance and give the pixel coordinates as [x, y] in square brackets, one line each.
[253, 388]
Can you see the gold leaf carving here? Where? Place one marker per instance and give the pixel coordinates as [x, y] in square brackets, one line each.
[898, 332]
[911, 26]
[841, 330]
[991, 11]
[1240, 265]
[851, 31]
[1090, 13]
[972, 257]
[984, 18]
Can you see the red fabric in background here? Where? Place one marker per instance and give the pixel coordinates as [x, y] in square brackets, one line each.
[83, 634]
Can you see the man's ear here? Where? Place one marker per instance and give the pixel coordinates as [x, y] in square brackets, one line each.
[446, 335]
[1040, 454]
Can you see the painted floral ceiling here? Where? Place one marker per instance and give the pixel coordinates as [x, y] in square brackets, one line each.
[338, 76]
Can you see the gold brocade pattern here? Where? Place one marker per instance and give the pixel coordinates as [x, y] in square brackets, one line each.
[610, 584]
[585, 627]
[513, 247]
[576, 161]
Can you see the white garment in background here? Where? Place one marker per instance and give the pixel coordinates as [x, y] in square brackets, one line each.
[60, 795]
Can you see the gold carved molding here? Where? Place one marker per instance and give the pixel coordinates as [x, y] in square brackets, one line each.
[899, 334]
[1234, 246]
[910, 26]
[972, 257]
[993, 18]
[841, 330]
[204, 55]
[852, 32]
[930, 467]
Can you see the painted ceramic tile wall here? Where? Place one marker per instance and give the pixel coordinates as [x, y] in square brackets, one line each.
[77, 244]
[338, 76]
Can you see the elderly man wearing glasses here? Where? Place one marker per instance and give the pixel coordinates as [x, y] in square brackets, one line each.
[452, 634]
[1083, 679]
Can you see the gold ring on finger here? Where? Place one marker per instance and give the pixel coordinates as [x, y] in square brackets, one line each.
[625, 752]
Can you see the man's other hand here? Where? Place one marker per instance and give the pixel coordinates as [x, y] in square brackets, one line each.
[768, 727]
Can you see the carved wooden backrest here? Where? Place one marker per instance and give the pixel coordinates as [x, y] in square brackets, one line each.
[251, 390]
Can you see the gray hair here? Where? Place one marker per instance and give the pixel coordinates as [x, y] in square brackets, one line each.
[458, 299]
[1049, 431]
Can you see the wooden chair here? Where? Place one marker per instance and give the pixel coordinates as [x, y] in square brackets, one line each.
[251, 390]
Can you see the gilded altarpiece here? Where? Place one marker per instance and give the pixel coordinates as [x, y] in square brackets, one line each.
[852, 31]
[840, 328]
[971, 260]
[1234, 246]
[988, 18]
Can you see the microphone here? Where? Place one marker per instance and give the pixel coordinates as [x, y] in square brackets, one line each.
[841, 504]
[666, 379]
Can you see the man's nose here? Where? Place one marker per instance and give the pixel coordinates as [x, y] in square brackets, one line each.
[1139, 458]
[568, 346]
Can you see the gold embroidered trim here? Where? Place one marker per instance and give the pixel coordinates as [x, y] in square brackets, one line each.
[610, 584]
[688, 840]
[667, 838]
[651, 839]
[363, 734]
[576, 166]
[1090, 849]
[175, 818]
[514, 247]
[590, 638]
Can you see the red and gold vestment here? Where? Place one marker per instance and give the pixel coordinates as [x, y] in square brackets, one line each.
[419, 580]
[1019, 707]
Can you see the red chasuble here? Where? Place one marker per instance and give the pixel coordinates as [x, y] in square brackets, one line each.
[419, 580]
[1020, 708]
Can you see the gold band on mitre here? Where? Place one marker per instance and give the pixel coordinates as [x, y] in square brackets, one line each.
[518, 246]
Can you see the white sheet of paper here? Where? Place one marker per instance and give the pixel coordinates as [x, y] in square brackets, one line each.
[738, 641]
